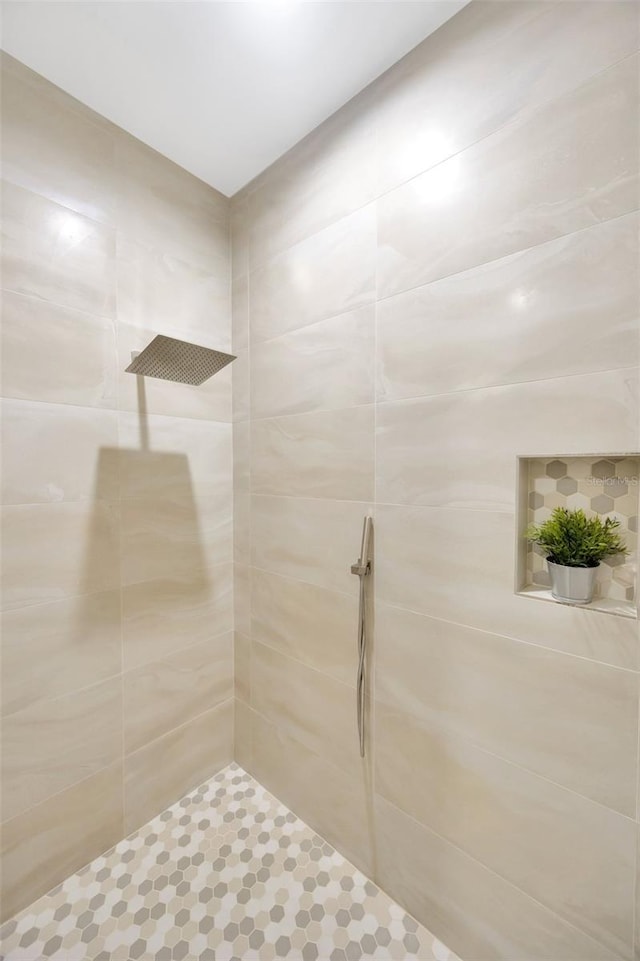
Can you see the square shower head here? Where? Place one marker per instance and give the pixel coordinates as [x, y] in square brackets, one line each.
[178, 360]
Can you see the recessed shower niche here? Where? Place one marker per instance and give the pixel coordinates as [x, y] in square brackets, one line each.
[607, 485]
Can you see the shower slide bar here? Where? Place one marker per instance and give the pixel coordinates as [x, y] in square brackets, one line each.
[362, 568]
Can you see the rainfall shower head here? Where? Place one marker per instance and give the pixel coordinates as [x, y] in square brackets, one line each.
[178, 360]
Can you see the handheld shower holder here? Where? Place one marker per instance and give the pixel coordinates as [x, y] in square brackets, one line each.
[362, 568]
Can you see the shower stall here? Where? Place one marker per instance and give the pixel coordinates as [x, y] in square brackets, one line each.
[281, 677]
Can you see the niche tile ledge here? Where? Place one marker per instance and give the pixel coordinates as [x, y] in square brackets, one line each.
[604, 604]
[607, 485]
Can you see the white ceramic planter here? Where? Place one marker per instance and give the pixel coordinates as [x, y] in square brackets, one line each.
[573, 585]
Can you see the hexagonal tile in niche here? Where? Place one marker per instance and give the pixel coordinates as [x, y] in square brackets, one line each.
[567, 485]
[616, 487]
[616, 561]
[603, 469]
[556, 469]
[602, 504]
[542, 578]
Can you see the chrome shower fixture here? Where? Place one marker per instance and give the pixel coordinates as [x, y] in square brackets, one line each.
[178, 360]
[362, 568]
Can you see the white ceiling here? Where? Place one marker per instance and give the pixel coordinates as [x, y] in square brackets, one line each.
[221, 88]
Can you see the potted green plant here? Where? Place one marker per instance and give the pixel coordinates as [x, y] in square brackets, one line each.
[574, 545]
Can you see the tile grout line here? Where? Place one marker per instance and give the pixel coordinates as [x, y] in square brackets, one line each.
[451, 736]
[482, 265]
[500, 877]
[521, 119]
[409, 610]
[636, 879]
[218, 799]
[113, 763]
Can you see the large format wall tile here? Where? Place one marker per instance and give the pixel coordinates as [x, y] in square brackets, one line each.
[544, 307]
[164, 694]
[323, 366]
[570, 165]
[37, 570]
[241, 386]
[47, 843]
[450, 91]
[506, 155]
[53, 649]
[315, 709]
[321, 454]
[572, 855]
[160, 203]
[242, 734]
[165, 615]
[459, 450]
[325, 177]
[51, 453]
[240, 230]
[312, 624]
[56, 354]
[242, 528]
[56, 254]
[637, 931]
[52, 146]
[459, 566]
[330, 273]
[117, 490]
[456, 565]
[242, 457]
[475, 911]
[52, 744]
[173, 456]
[159, 773]
[543, 710]
[175, 537]
[239, 314]
[160, 290]
[312, 540]
[242, 667]
[537, 155]
[242, 598]
[336, 800]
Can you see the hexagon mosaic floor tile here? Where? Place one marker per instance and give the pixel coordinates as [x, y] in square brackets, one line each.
[226, 874]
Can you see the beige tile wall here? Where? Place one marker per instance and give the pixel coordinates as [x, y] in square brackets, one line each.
[443, 276]
[117, 605]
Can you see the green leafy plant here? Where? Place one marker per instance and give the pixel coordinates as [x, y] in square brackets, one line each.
[572, 539]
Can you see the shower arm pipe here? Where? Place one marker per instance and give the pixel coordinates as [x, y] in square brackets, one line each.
[362, 568]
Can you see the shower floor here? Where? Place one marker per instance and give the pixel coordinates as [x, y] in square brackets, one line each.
[226, 874]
